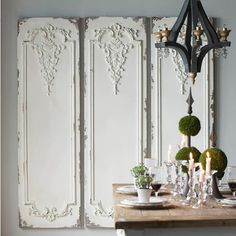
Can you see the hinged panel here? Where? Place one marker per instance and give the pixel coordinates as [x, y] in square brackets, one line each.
[170, 89]
[48, 123]
[115, 109]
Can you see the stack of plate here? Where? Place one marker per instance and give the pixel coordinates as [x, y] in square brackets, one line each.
[224, 189]
[154, 203]
[228, 202]
[128, 189]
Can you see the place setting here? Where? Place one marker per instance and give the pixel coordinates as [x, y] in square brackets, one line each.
[148, 181]
[231, 182]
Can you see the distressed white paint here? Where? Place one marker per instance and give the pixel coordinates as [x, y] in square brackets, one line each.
[48, 123]
[115, 117]
[169, 95]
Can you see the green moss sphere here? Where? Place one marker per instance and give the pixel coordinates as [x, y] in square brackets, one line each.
[189, 125]
[183, 155]
[219, 160]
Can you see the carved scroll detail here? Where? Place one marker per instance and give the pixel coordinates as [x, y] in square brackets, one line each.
[49, 214]
[116, 41]
[100, 211]
[47, 42]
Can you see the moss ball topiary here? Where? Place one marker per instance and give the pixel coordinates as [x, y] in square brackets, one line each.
[219, 160]
[189, 125]
[183, 155]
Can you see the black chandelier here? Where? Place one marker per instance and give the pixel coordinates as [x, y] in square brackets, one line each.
[193, 50]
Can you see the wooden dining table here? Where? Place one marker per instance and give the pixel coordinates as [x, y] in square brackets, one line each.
[173, 219]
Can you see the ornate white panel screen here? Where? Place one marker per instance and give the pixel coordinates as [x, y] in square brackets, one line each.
[115, 116]
[48, 123]
[170, 89]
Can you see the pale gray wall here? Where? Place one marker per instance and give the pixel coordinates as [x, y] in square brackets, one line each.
[14, 9]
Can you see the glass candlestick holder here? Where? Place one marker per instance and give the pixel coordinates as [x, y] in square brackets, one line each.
[169, 184]
[200, 198]
[191, 196]
[177, 193]
[209, 199]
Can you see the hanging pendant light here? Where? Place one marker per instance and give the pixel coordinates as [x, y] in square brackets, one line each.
[193, 50]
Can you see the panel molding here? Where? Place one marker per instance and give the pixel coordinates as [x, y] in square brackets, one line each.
[99, 213]
[41, 42]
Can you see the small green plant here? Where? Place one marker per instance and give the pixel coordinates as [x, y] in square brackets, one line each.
[189, 125]
[144, 181]
[219, 160]
[138, 170]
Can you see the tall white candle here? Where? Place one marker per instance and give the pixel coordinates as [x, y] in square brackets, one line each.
[183, 141]
[169, 153]
[208, 164]
[191, 161]
[202, 174]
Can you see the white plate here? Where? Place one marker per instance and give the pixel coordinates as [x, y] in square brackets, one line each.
[129, 189]
[154, 202]
[224, 188]
[228, 201]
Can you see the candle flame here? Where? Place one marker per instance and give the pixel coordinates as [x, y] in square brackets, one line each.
[208, 155]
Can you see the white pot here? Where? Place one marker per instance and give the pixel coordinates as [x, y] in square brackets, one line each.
[144, 195]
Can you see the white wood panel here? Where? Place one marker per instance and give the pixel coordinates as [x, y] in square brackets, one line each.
[115, 116]
[48, 123]
[170, 89]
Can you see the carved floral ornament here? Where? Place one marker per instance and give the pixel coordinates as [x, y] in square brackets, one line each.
[100, 211]
[49, 42]
[49, 214]
[116, 41]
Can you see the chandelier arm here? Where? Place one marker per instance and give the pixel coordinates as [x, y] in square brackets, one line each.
[194, 13]
[207, 26]
[188, 34]
[183, 53]
[194, 60]
[179, 22]
[180, 49]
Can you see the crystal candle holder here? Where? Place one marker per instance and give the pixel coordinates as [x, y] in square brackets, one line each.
[191, 196]
[169, 184]
[208, 198]
[177, 193]
[200, 199]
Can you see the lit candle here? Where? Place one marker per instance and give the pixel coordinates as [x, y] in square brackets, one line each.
[202, 174]
[183, 141]
[208, 164]
[191, 161]
[169, 153]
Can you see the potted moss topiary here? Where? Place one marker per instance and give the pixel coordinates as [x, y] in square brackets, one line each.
[219, 163]
[189, 125]
[183, 155]
[143, 183]
[219, 160]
